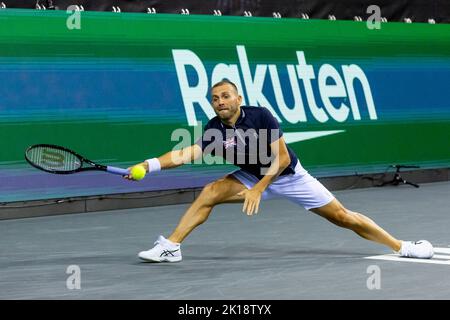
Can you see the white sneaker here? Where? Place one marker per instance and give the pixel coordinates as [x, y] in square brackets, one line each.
[421, 249]
[163, 251]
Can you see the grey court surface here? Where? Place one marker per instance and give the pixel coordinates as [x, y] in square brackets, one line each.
[284, 252]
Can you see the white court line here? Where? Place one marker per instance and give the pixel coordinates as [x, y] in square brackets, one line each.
[441, 256]
[442, 250]
[437, 258]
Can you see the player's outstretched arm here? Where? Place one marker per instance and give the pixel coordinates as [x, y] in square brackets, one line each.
[170, 159]
[177, 158]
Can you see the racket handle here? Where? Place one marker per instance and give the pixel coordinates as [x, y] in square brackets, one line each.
[115, 170]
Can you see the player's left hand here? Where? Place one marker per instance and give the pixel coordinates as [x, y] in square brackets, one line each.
[252, 199]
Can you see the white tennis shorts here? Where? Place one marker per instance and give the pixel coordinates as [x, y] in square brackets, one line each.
[301, 188]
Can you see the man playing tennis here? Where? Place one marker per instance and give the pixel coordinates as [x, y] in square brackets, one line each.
[232, 134]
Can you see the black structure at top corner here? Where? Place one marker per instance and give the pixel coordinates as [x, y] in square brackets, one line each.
[430, 11]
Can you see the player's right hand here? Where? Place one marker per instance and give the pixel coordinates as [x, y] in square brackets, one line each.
[129, 176]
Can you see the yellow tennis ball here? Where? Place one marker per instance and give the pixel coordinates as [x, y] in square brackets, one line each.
[138, 172]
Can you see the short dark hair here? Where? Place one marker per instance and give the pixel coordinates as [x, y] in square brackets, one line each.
[225, 81]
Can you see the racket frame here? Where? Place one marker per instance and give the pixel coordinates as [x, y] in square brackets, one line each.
[94, 166]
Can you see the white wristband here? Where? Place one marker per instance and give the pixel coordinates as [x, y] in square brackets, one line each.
[153, 165]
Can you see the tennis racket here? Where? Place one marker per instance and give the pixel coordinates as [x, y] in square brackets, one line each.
[60, 160]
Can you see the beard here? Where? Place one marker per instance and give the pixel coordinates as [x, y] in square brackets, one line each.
[226, 113]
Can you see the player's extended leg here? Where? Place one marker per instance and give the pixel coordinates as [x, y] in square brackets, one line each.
[368, 229]
[336, 213]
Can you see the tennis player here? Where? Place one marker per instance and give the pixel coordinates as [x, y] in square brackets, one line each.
[245, 136]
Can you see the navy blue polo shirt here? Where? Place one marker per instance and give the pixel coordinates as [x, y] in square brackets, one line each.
[247, 143]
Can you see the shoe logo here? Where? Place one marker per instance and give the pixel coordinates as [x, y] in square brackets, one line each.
[166, 253]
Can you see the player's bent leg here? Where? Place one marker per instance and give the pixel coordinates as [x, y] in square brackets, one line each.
[365, 227]
[224, 190]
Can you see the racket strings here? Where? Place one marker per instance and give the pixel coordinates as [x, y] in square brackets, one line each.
[49, 158]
